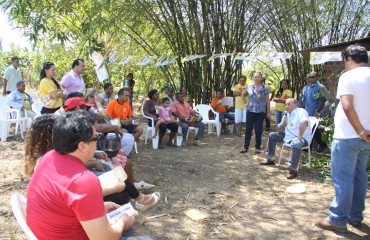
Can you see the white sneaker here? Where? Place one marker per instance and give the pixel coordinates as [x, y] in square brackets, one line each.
[143, 185]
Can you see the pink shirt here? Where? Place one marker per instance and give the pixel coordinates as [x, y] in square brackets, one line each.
[72, 82]
[181, 109]
[61, 193]
[165, 113]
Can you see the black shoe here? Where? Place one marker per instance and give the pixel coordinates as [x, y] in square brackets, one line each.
[321, 148]
[268, 162]
[292, 174]
[355, 223]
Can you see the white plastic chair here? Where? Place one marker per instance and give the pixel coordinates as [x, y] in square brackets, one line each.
[19, 204]
[152, 129]
[36, 107]
[314, 124]
[179, 139]
[8, 116]
[203, 110]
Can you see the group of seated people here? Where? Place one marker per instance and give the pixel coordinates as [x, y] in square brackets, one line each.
[67, 132]
[64, 198]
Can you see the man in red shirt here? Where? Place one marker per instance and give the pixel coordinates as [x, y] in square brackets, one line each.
[182, 110]
[64, 199]
[216, 104]
[120, 108]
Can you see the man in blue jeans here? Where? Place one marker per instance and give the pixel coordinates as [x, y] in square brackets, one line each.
[351, 145]
[295, 128]
[314, 104]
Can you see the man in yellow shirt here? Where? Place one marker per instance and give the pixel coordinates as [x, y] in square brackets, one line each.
[240, 109]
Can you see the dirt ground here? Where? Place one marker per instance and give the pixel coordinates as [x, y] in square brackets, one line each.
[242, 200]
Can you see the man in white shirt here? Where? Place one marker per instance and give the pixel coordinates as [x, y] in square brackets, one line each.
[350, 148]
[12, 76]
[20, 100]
[108, 94]
[295, 128]
[72, 81]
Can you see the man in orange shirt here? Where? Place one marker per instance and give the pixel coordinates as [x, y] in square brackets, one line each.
[216, 104]
[120, 108]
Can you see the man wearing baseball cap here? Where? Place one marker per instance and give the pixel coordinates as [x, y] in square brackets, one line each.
[170, 95]
[76, 103]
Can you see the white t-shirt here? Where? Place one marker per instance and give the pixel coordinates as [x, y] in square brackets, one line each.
[13, 76]
[355, 82]
[295, 118]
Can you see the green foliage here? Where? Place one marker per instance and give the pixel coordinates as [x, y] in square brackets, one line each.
[181, 28]
[319, 95]
[320, 162]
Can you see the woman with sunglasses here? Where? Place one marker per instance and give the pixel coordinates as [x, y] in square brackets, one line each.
[92, 97]
[281, 95]
[51, 93]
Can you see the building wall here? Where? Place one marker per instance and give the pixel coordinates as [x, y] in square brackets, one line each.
[332, 72]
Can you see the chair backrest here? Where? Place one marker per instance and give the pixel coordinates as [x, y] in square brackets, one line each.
[36, 107]
[314, 125]
[203, 110]
[4, 108]
[147, 117]
[33, 96]
[19, 203]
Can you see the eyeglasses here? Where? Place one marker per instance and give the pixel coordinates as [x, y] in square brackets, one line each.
[312, 77]
[94, 138]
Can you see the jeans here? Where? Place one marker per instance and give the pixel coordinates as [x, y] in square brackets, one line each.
[98, 173]
[348, 171]
[127, 143]
[296, 149]
[224, 115]
[254, 119]
[279, 116]
[185, 127]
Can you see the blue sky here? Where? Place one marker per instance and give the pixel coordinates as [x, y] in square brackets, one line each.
[10, 35]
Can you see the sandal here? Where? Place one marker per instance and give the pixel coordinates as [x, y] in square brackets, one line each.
[143, 205]
[243, 150]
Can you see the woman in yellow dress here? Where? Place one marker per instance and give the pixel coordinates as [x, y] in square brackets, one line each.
[51, 93]
[281, 95]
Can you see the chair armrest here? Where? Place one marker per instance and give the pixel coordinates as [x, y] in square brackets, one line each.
[152, 119]
[217, 115]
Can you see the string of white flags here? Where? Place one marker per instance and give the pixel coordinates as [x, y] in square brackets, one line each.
[323, 57]
[102, 72]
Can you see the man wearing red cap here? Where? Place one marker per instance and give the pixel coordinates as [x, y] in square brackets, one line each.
[76, 103]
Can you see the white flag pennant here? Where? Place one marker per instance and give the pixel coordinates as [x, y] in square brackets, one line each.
[146, 60]
[126, 59]
[221, 55]
[166, 60]
[192, 57]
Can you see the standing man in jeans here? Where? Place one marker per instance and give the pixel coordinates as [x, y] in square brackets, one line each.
[12, 76]
[313, 105]
[351, 145]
